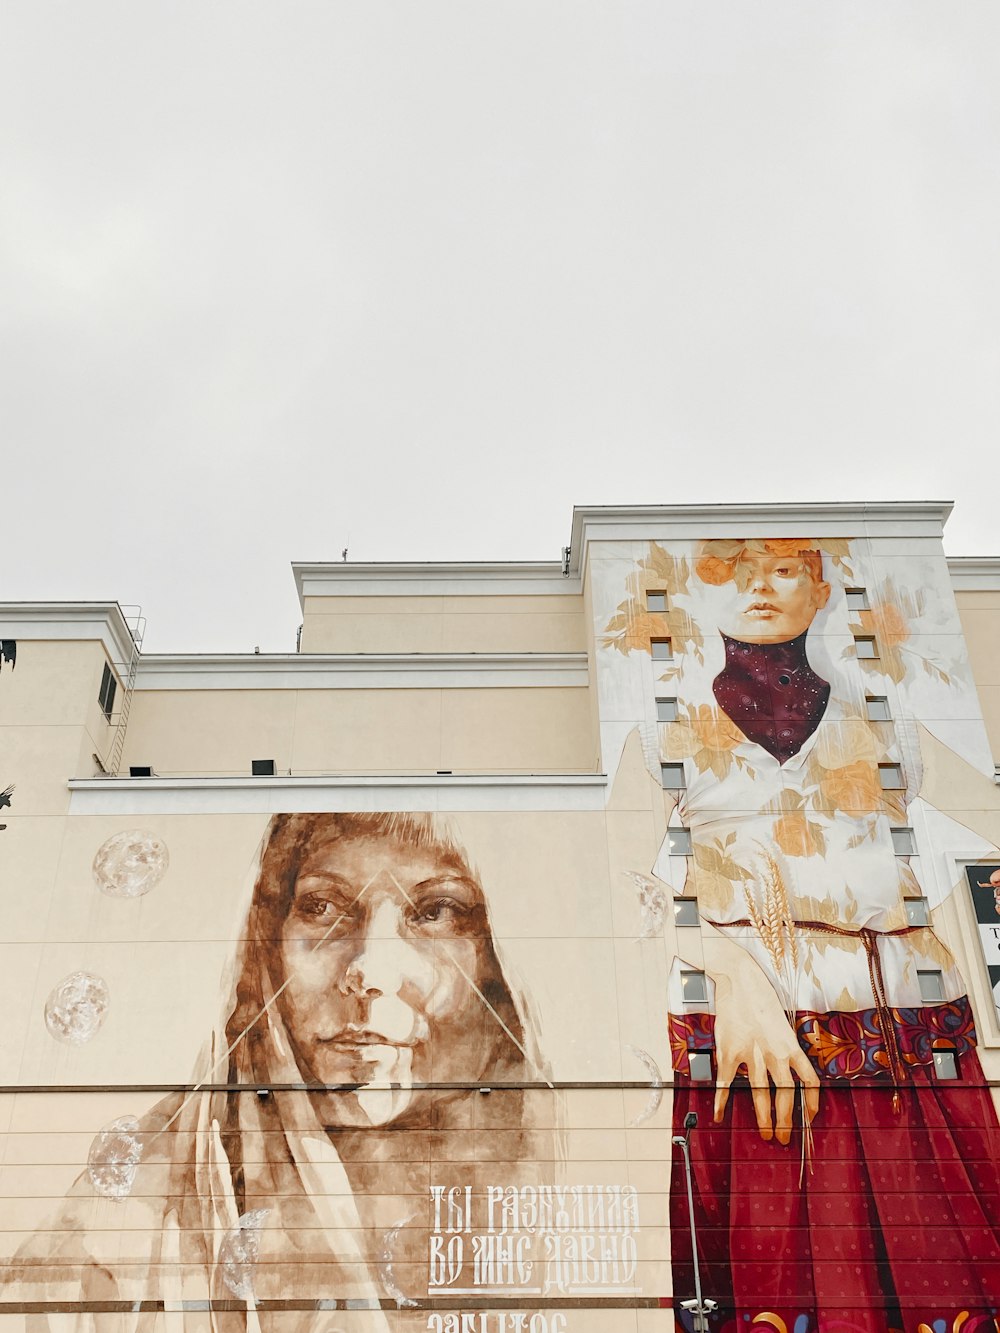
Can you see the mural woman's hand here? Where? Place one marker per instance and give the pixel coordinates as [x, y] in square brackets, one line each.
[751, 1029]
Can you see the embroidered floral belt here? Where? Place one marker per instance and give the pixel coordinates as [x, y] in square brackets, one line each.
[844, 1044]
[883, 1013]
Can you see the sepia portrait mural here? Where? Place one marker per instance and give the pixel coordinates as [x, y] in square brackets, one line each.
[846, 1137]
[374, 1130]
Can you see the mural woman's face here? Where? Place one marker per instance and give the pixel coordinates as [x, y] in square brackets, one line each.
[382, 952]
[771, 599]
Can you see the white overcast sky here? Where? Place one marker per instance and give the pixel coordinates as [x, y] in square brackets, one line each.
[418, 276]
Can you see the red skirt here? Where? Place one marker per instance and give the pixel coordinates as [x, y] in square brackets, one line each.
[896, 1225]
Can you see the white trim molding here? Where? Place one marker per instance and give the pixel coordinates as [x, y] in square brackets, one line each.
[975, 573]
[488, 579]
[69, 621]
[348, 794]
[360, 671]
[893, 518]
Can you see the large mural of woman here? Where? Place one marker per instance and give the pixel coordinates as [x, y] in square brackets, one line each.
[366, 1004]
[839, 1182]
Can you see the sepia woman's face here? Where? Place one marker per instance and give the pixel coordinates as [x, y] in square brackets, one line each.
[383, 953]
[771, 599]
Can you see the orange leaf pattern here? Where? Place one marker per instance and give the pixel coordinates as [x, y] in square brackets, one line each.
[854, 788]
[793, 834]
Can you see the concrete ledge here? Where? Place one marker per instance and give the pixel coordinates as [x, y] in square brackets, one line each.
[322, 671]
[891, 518]
[975, 573]
[340, 793]
[69, 621]
[426, 579]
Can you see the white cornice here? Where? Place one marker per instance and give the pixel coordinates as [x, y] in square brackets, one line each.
[893, 518]
[69, 621]
[975, 573]
[374, 671]
[446, 579]
[878, 518]
[347, 794]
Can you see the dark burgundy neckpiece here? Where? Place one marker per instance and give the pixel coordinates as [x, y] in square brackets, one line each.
[772, 694]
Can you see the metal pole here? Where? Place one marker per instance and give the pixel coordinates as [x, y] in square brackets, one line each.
[700, 1322]
[698, 1307]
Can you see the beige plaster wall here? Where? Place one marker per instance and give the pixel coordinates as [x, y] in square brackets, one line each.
[51, 724]
[538, 624]
[980, 616]
[164, 956]
[209, 731]
[544, 729]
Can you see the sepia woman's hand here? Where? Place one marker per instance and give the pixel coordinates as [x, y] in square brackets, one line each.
[751, 1029]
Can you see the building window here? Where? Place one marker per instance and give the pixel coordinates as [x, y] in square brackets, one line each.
[857, 599]
[685, 911]
[945, 1065]
[262, 768]
[106, 698]
[916, 912]
[661, 650]
[865, 646]
[694, 987]
[700, 1066]
[666, 710]
[672, 777]
[656, 601]
[891, 777]
[878, 708]
[931, 985]
[678, 842]
[903, 842]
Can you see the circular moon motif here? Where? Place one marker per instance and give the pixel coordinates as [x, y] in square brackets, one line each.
[114, 1158]
[129, 864]
[655, 1086]
[386, 1259]
[77, 1007]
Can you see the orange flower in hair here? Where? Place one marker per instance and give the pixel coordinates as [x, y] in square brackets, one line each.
[717, 558]
[710, 569]
[787, 546]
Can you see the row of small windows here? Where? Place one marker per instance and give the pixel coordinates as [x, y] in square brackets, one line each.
[694, 986]
[876, 706]
[686, 909]
[891, 777]
[694, 991]
[700, 1066]
[662, 649]
[864, 644]
[857, 599]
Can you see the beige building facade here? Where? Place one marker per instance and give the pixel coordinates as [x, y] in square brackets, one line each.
[367, 986]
